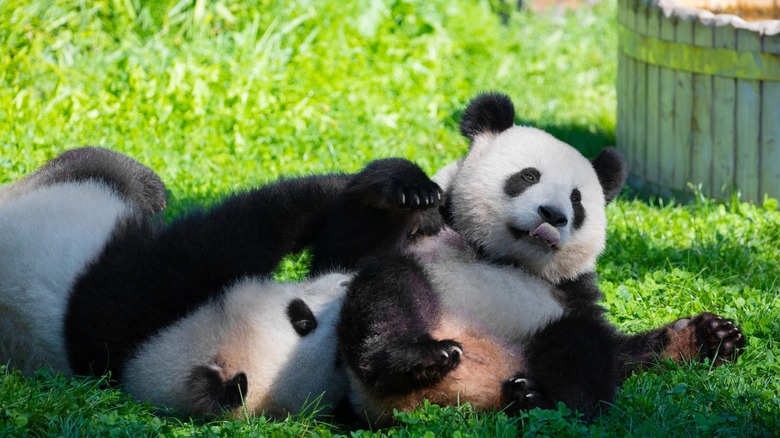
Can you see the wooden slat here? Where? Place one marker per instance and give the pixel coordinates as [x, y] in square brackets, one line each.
[723, 114]
[640, 103]
[770, 139]
[666, 146]
[748, 103]
[652, 144]
[770, 121]
[620, 86]
[631, 93]
[701, 151]
[683, 110]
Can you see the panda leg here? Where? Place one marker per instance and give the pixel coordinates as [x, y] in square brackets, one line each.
[705, 336]
[571, 361]
[377, 211]
[385, 327]
[136, 183]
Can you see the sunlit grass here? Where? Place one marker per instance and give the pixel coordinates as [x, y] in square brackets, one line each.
[220, 95]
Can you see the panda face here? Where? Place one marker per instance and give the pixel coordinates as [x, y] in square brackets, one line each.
[525, 197]
[264, 346]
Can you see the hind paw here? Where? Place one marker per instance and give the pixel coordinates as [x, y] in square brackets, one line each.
[521, 393]
[719, 338]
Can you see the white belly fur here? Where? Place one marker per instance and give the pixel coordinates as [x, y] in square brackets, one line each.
[510, 302]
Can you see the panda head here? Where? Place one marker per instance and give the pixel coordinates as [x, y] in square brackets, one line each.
[524, 197]
[262, 347]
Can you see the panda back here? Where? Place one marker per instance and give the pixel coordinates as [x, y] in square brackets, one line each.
[48, 236]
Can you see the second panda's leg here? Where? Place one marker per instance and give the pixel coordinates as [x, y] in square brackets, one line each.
[136, 183]
[572, 360]
[385, 327]
[705, 336]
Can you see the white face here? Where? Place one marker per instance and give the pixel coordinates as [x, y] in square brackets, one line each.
[289, 359]
[526, 197]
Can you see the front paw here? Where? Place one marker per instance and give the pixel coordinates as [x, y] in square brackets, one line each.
[522, 393]
[432, 360]
[396, 183]
[414, 365]
[719, 339]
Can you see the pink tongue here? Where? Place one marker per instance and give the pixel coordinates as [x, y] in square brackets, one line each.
[548, 233]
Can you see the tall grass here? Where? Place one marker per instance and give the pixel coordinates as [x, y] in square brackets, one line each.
[226, 94]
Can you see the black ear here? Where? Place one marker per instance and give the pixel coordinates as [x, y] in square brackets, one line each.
[612, 171]
[488, 112]
[212, 392]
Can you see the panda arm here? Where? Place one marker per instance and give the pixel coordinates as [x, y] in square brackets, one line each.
[377, 211]
[384, 331]
[147, 278]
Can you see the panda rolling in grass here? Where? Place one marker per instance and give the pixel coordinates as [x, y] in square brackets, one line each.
[499, 306]
[182, 315]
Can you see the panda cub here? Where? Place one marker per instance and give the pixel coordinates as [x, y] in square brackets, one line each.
[182, 315]
[493, 300]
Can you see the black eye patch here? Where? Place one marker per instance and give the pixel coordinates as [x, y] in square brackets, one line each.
[520, 181]
[301, 317]
[579, 210]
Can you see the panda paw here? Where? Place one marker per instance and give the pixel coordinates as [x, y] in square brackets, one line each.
[719, 339]
[396, 183]
[521, 393]
[428, 362]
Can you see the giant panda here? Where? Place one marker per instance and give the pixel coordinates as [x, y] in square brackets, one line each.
[492, 298]
[182, 315]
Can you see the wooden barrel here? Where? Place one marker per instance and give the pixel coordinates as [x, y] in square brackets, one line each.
[699, 100]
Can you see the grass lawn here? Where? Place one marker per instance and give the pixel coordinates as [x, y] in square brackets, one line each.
[225, 94]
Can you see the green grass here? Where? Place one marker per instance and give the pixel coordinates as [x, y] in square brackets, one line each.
[221, 95]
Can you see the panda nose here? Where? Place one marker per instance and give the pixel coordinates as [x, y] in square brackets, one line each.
[553, 216]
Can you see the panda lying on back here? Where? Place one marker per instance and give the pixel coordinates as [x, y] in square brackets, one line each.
[182, 315]
[499, 307]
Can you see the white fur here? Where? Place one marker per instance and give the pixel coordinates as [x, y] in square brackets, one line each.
[248, 331]
[508, 300]
[486, 210]
[47, 237]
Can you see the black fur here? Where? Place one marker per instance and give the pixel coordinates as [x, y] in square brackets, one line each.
[386, 318]
[213, 392]
[572, 360]
[148, 277]
[489, 112]
[612, 171]
[579, 210]
[516, 184]
[375, 212]
[136, 183]
[301, 317]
